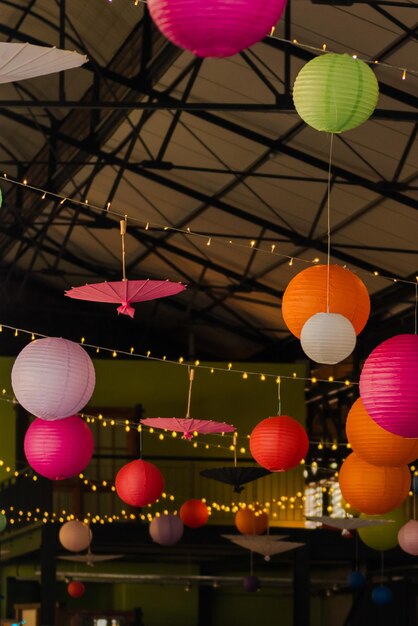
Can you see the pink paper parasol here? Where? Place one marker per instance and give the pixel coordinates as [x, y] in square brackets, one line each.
[124, 292]
[187, 425]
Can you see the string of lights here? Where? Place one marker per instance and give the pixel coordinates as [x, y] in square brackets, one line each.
[183, 363]
[324, 49]
[208, 239]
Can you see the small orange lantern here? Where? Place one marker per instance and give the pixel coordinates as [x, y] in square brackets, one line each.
[250, 522]
[374, 444]
[194, 513]
[373, 489]
[306, 294]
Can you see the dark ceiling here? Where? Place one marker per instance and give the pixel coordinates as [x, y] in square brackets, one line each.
[210, 145]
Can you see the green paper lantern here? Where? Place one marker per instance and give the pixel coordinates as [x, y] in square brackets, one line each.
[334, 93]
[383, 537]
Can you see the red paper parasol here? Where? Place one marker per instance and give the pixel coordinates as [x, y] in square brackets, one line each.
[125, 291]
[187, 425]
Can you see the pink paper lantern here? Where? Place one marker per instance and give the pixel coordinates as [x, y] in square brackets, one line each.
[53, 378]
[388, 385]
[59, 449]
[166, 529]
[215, 28]
[408, 537]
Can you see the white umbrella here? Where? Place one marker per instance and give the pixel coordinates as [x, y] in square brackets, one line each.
[267, 545]
[90, 559]
[348, 523]
[23, 60]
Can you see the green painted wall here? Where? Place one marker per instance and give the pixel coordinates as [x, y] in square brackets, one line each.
[7, 418]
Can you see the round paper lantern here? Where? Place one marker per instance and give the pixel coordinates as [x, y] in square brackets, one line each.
[53, 378]
[388, 385]
[408, 537]
[75, 536]
[373, 489]
[385, 536]
[3, 522]
[59, 449]
[328, 338]
[194, 513]
[356, 580]
[166, 529]
[251, 584]
[374, 444]
[382, 595]
[334, 93]
[215, 28]
[306, 294]
[139, 483]
[279, 443]
[250, 522]
[75, 589]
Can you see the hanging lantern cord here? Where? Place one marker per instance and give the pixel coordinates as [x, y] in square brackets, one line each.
[279, 396]
[329, 216]
[234, 443]
[123, 224]
[189, 399]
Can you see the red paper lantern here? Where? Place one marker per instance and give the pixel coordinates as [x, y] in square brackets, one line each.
[139, 483]
[279, 443]
[194, 513]
[76, 589]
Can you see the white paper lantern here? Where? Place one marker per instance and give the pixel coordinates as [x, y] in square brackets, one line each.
[75, 536]
[166, 529]
[328, 338]
[53, 378]
[408, 537]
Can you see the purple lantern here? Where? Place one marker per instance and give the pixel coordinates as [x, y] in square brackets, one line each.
[59, 449]
[388, 385]
[166, 529]
[215, 28]
[408, 537]
[251, 584]
[53, 378]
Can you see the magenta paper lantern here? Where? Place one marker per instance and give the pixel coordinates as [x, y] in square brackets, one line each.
[75, 536]
[215, 28]
[389, 388]
[53, 378]
[166, 529]
[408, 537]
[59, 449]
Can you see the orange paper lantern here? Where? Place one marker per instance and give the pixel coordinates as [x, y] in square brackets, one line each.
[250, 522]
[76, 589]
[306, 294]
[374, 444]
[373, 489]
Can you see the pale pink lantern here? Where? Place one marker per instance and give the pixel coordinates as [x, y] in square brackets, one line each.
[166, 529]
[59, 449]
[215, 28]
[75, 536]
[53, 378]
[388, 385]
[408, 537]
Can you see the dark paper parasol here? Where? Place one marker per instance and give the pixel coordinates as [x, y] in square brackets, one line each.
[235, 476]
